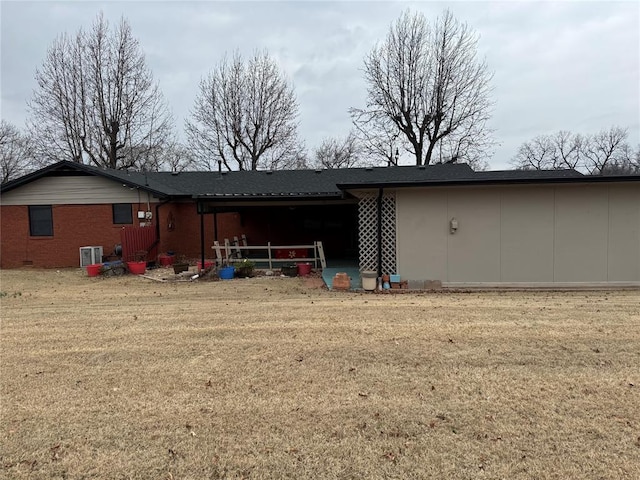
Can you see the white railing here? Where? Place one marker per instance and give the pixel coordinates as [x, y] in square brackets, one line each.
[232, 252]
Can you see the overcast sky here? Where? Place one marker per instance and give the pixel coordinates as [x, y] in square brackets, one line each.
[557, 65]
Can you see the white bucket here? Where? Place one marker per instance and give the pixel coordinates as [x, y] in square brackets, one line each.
[369, 280]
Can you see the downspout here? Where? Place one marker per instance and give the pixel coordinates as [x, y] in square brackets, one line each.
[379, 206]
[215, 223]
[200, 208]
[158, 221]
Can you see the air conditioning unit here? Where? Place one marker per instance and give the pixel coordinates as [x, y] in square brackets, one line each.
[90, 255]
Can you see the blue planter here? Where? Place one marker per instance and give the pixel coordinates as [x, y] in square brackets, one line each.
[226, 273]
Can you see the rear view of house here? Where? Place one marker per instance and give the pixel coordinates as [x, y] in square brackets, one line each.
[442, 223]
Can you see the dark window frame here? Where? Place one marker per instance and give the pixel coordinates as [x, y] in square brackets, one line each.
[119, 215]
[41, 220]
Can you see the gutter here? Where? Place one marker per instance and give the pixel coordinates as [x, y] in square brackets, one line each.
[586, 179]
[158, 221]
[248, 197]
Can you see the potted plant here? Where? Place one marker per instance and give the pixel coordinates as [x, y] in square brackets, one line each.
[290, 270]
[181, 265]
[245, 268]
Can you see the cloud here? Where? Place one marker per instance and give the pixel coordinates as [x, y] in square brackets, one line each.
[558, 65]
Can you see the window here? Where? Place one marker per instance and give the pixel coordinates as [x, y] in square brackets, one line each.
[122, 213]
[40, 221]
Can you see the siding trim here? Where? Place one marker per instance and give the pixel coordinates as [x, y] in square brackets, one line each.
[75, 190]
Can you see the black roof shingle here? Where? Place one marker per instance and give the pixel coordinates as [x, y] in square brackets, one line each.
[326, 183]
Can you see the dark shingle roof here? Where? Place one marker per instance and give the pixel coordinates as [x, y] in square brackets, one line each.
[527, 174]
[329, 183]
[305, 183]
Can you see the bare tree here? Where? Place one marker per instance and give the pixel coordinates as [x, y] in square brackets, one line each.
[560, 150]
[175, 157]
[96, 101]
[539, 153]
[245, 115]
[466, 145]
[379, 138]
[426, 80]
[16, 158]
[605, 150]
[339, 153]
[296, 157]
[630, 158]
[569, 149]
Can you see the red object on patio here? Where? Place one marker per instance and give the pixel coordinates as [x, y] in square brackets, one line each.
[137, 268]
[304, 269]
[94, 270]
[166, 260]
[207, 264]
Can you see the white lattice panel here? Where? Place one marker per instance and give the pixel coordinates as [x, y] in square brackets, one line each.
[368, 232]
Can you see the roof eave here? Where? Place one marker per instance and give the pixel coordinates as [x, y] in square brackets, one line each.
[234, 197]
[43, 172]
[493, 181]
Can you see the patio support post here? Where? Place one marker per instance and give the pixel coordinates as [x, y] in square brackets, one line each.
[158, 218]
[201, 208]
[379, 231]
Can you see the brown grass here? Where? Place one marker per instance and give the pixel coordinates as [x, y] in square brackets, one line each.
[266, 378]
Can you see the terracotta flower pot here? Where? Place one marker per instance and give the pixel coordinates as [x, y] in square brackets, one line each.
[304, 269]
[137, 268]
[207, 264]
[166, 260]
[94, 270]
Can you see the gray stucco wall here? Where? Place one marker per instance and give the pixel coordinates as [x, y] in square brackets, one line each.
[562, 234]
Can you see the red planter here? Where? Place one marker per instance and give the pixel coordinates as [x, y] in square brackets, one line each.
[207, 264]
[94, 270]
[166, 260]
[137, 268]
[304, 269]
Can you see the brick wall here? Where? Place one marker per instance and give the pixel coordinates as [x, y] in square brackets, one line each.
[183, 237]
[76, 226]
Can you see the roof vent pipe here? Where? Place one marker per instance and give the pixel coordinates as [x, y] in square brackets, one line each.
[219, 166]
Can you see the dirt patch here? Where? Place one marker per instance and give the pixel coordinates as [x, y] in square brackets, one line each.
[125, 377]
[167, 274]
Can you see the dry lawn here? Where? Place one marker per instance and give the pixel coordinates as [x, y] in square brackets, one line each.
[267, 378]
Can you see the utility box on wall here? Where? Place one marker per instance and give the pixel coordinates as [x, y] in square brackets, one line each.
[90, 255]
